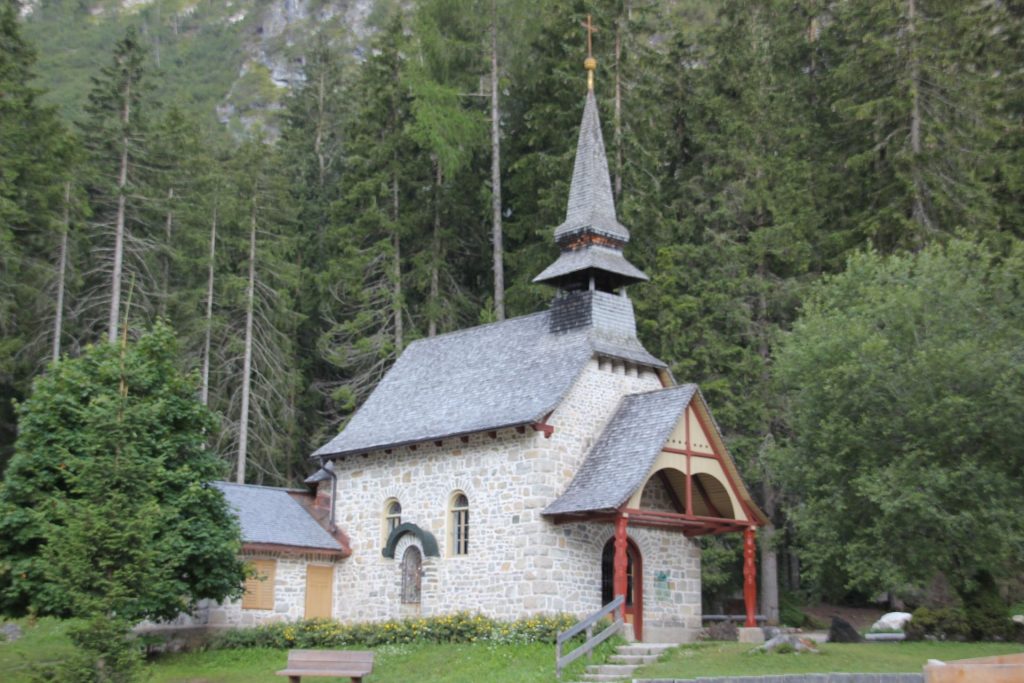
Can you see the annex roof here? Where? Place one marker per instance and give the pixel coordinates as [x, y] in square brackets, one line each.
[618, 464]
[271, 516]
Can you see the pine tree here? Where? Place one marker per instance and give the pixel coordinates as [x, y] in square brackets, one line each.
[912, 128]
[37, 158]
[363, 293]
[115, 137]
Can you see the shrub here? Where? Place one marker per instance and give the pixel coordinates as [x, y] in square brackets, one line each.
[943, 623]
[460, 627]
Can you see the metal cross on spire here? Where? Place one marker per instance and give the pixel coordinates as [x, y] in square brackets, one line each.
[590, 64]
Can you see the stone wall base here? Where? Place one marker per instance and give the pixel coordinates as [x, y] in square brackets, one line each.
[669, 634]
[751, 634]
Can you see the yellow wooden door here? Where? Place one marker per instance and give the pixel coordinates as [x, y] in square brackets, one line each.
[319, 593]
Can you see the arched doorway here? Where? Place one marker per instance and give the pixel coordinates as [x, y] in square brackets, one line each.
[634, 583]
[412, 572]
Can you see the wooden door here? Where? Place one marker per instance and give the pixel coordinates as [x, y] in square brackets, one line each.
[319, 591]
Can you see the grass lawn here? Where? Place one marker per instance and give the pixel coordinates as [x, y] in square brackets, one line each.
[421, 662]
[724, 659]
[46, 643]
[43, 643]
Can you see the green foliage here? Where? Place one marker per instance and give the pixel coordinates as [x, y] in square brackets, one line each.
[106, 507]
[106, 652]
[904, 384]
[460, 627]
[942, 623]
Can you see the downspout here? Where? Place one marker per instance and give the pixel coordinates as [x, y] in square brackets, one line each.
[334, 487]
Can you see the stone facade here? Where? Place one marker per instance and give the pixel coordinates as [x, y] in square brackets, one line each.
[289, 594]
[519, 563]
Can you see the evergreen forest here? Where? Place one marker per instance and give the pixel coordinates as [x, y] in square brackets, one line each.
[785, 167]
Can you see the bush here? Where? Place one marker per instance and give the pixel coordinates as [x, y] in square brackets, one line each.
[986, 612]
[460, 627]
[943, 623]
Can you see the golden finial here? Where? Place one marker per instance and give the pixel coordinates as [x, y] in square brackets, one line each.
[590, 64]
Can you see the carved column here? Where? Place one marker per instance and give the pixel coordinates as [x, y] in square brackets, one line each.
[621, 563]
[749, 575]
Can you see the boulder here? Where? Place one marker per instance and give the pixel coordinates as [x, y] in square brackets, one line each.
[1018, 619]
[893, 621]
[10, 632]
[841, 631]
[787, 642]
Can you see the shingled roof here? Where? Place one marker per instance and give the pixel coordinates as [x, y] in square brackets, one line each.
[271, 516]
[591, 204]
[490, 377]
[592, 258]
[619, 462]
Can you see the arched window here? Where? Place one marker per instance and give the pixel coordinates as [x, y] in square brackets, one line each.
[459, 544]
[392, 517]
[412, 572]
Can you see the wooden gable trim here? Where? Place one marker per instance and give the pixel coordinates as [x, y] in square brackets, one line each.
[754, 514]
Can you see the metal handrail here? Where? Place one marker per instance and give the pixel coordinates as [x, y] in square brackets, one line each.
[592, 641]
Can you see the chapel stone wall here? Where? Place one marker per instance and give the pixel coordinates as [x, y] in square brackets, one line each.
[519, 563]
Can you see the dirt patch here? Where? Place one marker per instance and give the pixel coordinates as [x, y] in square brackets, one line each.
[860, 617]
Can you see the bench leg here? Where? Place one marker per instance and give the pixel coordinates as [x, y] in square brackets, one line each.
[357, 679]
[295, 679]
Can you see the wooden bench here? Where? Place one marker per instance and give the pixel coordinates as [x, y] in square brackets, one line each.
[349, 663]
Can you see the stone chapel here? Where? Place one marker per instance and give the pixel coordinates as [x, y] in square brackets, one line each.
[542, 464]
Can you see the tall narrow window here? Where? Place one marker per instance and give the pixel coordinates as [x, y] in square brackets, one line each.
[392, 518]
[460, 524]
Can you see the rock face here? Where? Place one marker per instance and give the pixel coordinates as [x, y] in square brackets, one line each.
[842, 632]
[893, 621]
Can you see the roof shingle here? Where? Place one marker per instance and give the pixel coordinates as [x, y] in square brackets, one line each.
[270, 515]
[620, 460]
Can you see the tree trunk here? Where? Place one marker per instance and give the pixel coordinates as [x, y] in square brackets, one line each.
[62, 265]
[769, 561]
[250, 295]
[434, 302]
[168, 228]
[321, 157]
[496, 230]
[919, 212]
[204, 391]
[115, 277]
[618, 107]
[769, 555]
[396, 243]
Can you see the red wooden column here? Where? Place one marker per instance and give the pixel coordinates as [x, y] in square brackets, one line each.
[749, 575]
[621, 563]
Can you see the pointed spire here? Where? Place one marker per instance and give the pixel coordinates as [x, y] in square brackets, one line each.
[591, 203]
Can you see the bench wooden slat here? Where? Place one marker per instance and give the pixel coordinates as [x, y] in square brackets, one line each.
[338, 663]
[330, 656]
[323, 672]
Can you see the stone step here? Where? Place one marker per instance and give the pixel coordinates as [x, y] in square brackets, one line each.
[645, 648]
[620, 670]
[638, 660]
[596, 678]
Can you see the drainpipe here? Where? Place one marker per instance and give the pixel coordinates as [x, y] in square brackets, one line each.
[334, 487]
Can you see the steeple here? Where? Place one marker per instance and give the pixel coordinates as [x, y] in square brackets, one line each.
[591, 238]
